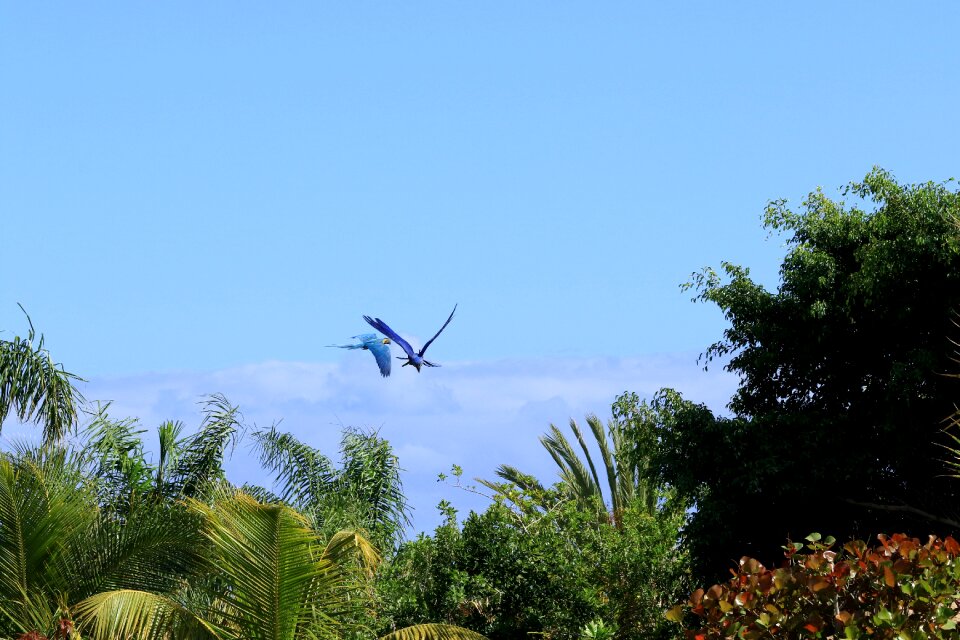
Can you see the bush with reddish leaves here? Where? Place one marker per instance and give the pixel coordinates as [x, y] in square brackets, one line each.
[900, 588]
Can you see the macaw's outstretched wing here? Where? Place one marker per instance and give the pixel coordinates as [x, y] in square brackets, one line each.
[381, 351]
[364, 339]
[436, 334]
[382, 327]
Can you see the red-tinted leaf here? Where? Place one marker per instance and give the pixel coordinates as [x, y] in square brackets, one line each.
[952, 546]
[888, 576]
[818, 583]
[765, 584]
[750, 565]
[903, 566]
[856, 548]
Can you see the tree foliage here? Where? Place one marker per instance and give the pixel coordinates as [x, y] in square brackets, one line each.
[627, 446]
[271, 577]
[559, 561]
[364, 492]
[187, 466]
[33, 387]
[836, 423]
[502, 575]
[57, 547]
[510, 572]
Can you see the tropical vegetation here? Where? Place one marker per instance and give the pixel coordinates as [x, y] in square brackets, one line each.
[845, 421]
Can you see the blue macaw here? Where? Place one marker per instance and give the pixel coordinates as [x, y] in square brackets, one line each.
[375, 345]
[413, 357]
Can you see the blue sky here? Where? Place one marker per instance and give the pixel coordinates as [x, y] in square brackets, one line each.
[197, 197]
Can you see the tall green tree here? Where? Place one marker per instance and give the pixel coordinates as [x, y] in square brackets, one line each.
[186, 466]
[836, 424]
[364, 492]
[540, 564]
[35, 388]
[504, 574]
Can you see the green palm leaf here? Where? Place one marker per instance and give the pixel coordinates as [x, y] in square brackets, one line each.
[35, 388]
[199, 463]
[573, 473]
[129, 614]
[43, 510]
[282, 582]
[270, 578]
[434, 632]
[626, 445]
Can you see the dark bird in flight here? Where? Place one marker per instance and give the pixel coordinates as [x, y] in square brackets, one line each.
[413, 357]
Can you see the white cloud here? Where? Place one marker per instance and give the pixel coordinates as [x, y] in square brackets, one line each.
[476, 414]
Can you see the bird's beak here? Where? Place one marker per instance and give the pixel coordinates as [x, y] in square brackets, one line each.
[386, 341]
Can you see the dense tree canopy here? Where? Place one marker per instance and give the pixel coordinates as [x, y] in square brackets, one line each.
[837, 420]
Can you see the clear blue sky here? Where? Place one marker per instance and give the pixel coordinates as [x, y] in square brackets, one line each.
[208, 187]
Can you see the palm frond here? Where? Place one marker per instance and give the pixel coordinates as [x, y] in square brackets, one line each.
[434, 631]
[114, 449]
[129, 614]
[30, 613]
[261, 494]
[35, 388]
[44, 509]
[523, 481]
[618, 497]
[200, 462]
[371, 474]
[586, 450]
[572, 471]
[279, 582]
[347, 546]
[154, 548]
[302, 472]
[169, 453]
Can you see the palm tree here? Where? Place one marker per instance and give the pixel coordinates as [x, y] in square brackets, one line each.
[57, 547]
[364, 493]
[271, 577]
[625, 445]
[187, 466]
[34, 388]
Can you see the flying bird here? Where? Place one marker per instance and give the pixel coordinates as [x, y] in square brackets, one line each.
[375, 345]
[413, 357]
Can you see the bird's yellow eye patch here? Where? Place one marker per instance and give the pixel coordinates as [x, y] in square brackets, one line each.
[386, 341]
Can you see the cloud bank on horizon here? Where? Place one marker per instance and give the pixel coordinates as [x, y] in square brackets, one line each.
[477, 414]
